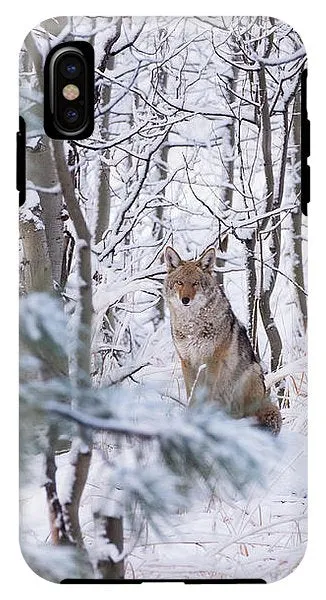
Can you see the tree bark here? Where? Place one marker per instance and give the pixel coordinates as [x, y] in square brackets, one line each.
[103, 208]
[226, 191]
[82, 457]
[41, 171]
[270, 327]
[59, 532]
[158, 233]
[36, 266]
[112, 532]
[252, 303]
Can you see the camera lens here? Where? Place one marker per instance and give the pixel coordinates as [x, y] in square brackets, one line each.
[70, 67]
[71, 115]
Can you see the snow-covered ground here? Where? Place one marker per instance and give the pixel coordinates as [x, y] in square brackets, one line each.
[221, 535]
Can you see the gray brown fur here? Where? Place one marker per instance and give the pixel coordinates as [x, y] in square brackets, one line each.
[206, 332]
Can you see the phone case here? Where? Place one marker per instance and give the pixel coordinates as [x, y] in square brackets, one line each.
[163, 407]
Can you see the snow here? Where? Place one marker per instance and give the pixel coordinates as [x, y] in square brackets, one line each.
[31, 210]
[223, 535]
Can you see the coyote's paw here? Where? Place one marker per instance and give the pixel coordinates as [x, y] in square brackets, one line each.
[269, 417]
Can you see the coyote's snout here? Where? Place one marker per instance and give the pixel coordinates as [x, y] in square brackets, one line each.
[216, 356]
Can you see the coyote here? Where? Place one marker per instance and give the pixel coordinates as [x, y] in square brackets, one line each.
[216, 356]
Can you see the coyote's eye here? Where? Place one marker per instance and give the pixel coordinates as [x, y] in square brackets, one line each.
[179, 282]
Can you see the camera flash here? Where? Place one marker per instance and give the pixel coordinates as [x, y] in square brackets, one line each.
[70, 91]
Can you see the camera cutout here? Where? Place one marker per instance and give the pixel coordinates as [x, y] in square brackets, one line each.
[69, 91]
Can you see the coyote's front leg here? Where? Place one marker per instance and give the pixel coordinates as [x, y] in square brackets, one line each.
[195, 380]
[188, 375]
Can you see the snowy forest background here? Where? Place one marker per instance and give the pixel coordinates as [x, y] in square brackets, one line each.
[197, 142]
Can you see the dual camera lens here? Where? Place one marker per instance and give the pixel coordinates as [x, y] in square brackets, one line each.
[71, 82]
[70, 68]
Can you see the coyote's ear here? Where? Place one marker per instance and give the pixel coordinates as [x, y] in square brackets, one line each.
[207, 260]
[172, 259]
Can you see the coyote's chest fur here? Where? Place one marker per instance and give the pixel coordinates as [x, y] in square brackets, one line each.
[207, 345]
[195, 337]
